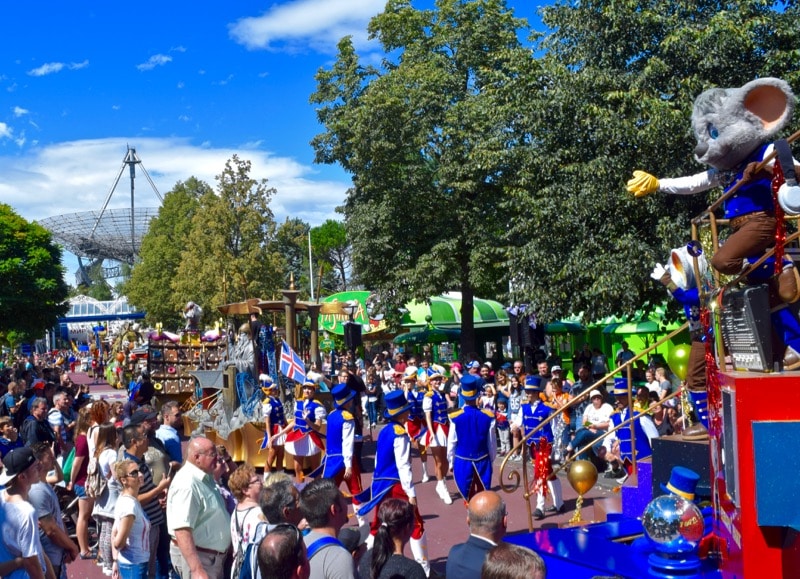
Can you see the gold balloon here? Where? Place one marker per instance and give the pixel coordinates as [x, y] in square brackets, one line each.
[582, 476]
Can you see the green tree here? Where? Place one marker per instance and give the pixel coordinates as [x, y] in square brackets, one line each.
[429, 141]
[33, 292]
[150, 285]
[614, 93]
[230, 253]
[329, 244]
[291, 241]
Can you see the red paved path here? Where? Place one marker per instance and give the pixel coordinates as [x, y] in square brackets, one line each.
[445, 525]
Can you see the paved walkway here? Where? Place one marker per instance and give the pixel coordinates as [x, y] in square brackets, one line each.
[445, 525]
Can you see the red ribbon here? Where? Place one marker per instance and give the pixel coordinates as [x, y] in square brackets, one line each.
[712, 377]
[780, 222]
[542, 468]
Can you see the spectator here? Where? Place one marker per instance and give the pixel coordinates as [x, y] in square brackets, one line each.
[508, 561]
[624, 354]
[386, 560]
[61, 420]
[57, 545]
[20, 534]
[77, 484]
[197, 519]
[15, 403]
[282, 554]
[599, 364]
[9, 437]
[664, 384]
[103, 512]
[36, 428]
[325, 509]
[503, 426]
[246, 486]
[487, 519]
[280, 503]
[131, 541]
[136, 444]
[595, 420]
[167, 433]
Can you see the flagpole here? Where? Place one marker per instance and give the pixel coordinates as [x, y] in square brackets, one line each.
[310, 266]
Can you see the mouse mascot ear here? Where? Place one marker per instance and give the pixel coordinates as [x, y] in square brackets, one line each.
[771, 100]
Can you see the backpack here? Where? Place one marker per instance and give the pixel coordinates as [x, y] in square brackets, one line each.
[248, 555]
[95, 481]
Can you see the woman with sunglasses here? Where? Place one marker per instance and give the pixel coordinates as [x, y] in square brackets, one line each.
[130, 538]
[246, 485]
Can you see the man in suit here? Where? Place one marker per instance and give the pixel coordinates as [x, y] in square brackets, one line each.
[487, 520]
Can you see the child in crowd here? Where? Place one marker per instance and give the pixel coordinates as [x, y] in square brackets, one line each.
[503, 426]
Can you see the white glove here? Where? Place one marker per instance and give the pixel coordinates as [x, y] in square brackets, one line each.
[658, 272]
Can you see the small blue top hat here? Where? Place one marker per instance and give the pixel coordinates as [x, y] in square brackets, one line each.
[471, 387]
[473, 364]
[620, 386]
[533, 383]
[396, 403]
[342, 395]
[682, 482]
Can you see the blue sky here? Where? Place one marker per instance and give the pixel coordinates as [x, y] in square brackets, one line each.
[188, 84]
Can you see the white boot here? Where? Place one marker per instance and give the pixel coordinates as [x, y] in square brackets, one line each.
[444, 494]
[419, 548]
[363, 528]
[425, 477]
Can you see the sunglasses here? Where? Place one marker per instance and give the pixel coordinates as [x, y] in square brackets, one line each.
[134, 473]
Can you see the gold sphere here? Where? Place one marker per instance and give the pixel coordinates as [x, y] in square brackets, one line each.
[582, 476]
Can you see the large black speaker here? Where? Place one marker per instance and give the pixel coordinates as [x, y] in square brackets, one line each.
[513, 329]
[352, 335]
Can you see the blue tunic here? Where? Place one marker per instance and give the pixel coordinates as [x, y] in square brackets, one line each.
[753, 196]
[472, 448]
[386, 473]
[333, 463]
[415, 398]
[532, 417]
[643, 449]
[276, 414]
[299, 421]
[439, 409]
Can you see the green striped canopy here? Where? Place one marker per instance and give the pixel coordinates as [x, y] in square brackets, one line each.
[445, 312]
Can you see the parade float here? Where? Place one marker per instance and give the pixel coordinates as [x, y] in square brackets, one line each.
[741, 518]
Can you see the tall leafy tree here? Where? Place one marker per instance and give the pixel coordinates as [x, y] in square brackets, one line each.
[230, 253]
[614, 93]
[329, 243]
[150, 285]
[33, 292]
[292, 244]
[429, 141]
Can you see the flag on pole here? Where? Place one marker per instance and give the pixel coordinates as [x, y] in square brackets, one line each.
[291, 365]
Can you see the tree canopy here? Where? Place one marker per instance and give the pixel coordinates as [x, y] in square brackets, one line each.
[480, 163]
[330, 246]
[429, 141]
[33, 293]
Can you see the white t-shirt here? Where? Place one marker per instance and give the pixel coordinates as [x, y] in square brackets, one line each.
[600, 415]
[247, 520]
[137, 548]
[20, 531]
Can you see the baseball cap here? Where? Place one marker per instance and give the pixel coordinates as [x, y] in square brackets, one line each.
[15, 462]
[140, 416]
[556, 368]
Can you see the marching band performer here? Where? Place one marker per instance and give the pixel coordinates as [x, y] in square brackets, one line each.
[530, 415]
[471, 443]
[415, 387]
[434, 406]
[274, 423]
[303, 438]
[392, 477]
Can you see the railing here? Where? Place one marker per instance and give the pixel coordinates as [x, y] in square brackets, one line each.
[521, 446]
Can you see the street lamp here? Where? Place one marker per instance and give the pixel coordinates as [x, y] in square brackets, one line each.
[352, 330]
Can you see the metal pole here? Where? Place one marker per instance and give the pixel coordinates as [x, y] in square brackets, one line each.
[310, 266]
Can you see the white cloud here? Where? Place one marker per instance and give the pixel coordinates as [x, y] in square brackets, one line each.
[315, 24]
[5, 131]
[45, 69]
[154, 61]
[76, 176]
[53, 67]
[19, 111]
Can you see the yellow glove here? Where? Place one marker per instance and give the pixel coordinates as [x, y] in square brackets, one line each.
[642, 184]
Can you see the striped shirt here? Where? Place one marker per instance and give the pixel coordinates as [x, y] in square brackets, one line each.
[152, 509]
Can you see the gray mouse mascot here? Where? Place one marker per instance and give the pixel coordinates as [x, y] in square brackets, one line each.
[734, 128]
